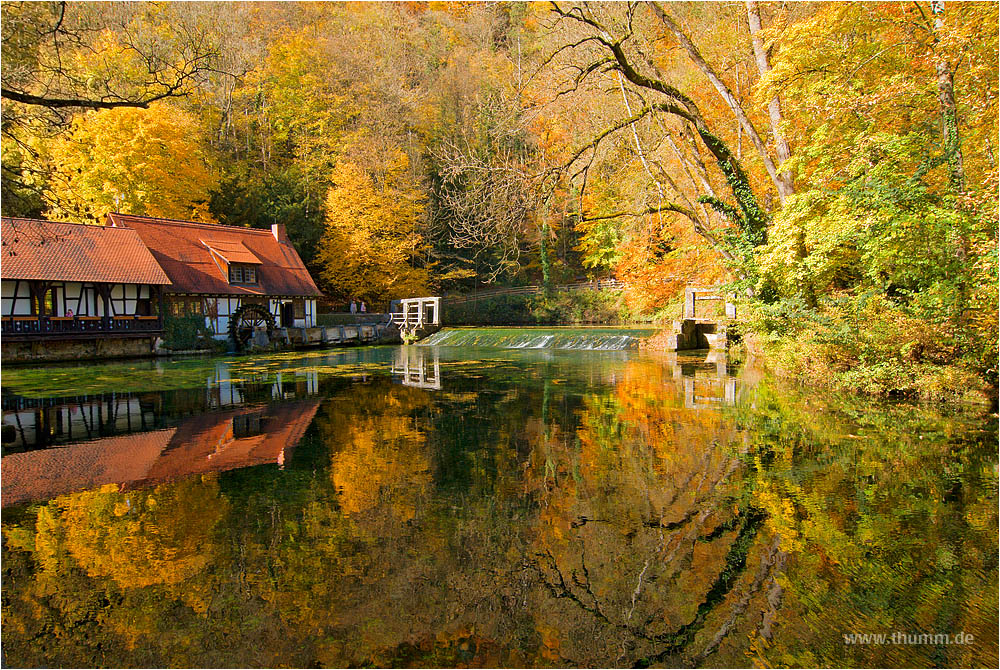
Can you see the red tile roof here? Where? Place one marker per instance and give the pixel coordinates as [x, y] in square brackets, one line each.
[55, 251]
[231, 252]
[179, 248]
[45, 473]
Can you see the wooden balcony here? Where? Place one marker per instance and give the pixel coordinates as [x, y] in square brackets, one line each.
[78, 327]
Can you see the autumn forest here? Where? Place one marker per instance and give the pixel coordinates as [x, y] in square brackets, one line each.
[547, 478]
[834, 165]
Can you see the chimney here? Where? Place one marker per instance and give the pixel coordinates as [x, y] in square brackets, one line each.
[278, 230]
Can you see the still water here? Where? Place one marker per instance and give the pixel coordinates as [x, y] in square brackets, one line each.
[488, 505]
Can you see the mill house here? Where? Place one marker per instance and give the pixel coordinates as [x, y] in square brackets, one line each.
[78, 291]
[236, 278]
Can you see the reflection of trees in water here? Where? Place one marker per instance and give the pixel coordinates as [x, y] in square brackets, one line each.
[378, 453]
[889, 515]
[528, 523]
[646, 523]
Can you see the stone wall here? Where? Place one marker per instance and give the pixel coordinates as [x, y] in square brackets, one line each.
[75, 350]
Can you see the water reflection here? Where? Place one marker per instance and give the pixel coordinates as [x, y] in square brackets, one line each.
[707, 383]
[33, 423]
[225, 389]
[532, 508]
[708, 380]
[419, 367]
[212, 442]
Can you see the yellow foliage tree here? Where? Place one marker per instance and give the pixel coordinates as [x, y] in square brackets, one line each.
[136, 161]
[373, 239]
[144, 538]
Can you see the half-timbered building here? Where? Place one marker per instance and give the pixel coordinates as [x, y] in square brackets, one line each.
[70, 281]
[236, 278]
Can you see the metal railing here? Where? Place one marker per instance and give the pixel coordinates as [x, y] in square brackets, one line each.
[79, 325]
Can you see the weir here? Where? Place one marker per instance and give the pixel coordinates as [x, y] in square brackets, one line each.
[703, 325]
[577, 339]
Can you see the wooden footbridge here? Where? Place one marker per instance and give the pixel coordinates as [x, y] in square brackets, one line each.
[417, 317]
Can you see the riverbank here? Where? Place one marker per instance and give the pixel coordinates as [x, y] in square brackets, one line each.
[873, 346]
[811, 363]
[872, 357]
[185, 336]
[805, 362]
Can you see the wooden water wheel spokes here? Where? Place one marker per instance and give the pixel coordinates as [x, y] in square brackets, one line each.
[246, 320]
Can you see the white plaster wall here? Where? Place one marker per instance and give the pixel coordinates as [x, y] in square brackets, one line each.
[24, 305]
[72, 299]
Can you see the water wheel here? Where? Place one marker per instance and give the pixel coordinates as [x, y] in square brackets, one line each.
[245, 321]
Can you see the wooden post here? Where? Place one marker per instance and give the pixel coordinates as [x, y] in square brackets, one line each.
[161, 303]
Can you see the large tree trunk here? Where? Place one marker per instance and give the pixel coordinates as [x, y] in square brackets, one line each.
[761, 55]
[748, 215]
[949, 110]
[953, 153]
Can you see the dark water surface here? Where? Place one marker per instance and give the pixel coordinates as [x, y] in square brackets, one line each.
[484, 506]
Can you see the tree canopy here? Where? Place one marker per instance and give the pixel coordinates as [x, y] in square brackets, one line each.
[803, 153]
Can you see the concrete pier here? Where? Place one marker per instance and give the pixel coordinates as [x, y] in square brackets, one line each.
[704, 324]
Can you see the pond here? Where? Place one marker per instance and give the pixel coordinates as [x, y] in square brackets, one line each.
[488, 504]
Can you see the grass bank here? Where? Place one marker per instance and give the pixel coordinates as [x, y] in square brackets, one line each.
[563, 308]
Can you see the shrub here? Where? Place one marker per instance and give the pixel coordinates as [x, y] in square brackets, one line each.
[864, 344]
[501, 310]
[183, 332]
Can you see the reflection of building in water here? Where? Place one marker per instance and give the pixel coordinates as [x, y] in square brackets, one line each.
[418, 367]
[707, 383]
[30, 423]
[213, 442]
[234, 439]
[225, 391]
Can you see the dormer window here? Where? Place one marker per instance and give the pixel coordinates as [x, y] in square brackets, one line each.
[242, 274]
[242, 263]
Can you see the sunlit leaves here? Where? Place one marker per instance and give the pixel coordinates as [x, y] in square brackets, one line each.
[372, 244]
[134, 161]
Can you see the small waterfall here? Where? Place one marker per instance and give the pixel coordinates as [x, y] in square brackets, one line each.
[579, 339]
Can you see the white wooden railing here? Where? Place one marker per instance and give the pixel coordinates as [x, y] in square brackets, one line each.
[416, 313]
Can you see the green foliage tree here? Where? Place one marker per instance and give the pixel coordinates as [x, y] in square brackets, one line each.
[887, 213]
